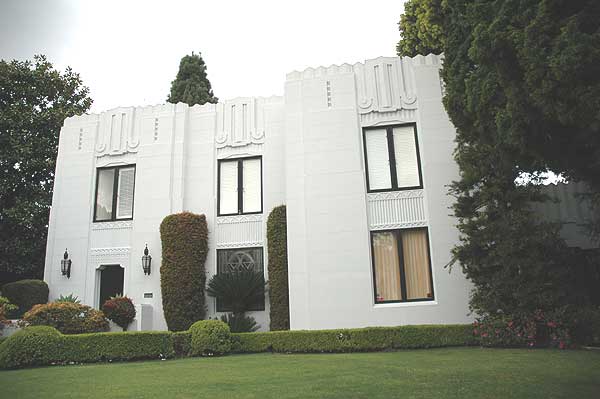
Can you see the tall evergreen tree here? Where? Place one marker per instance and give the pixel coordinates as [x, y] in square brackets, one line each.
[523, 92]
[35, 99]
[421, 28]
[191, 86]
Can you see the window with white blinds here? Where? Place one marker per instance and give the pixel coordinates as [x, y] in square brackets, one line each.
[114, 193]
[125, 193]
[240, 186]
[392, 158]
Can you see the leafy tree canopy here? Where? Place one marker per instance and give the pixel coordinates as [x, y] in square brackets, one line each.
[35, 99]
[421, 28]
[523, 91]
[191, 86]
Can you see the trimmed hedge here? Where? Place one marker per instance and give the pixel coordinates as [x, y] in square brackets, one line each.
[279, 295]
[355, 340]
[42, 345]
[182, 275]
[25, 294]
[67, 317]
[210, 337]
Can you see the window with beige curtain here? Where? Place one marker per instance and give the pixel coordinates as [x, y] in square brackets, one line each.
[401, 265]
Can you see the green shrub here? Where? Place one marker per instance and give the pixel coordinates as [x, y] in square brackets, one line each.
[32, 346]
[182, 276]
[25, 294]
[68, 298]
[120, 310]
[355, 340]
[210, 337]
[67, 317]
[5, 308]
[182, 343]
[131, 345]
[239, 323]
[279, 296]
[41, 345]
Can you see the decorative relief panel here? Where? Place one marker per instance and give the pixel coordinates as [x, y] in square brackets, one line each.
[396, 209]
[119, 255]
[239, 231]
[385, 85]
[240, 122]
[117, 133]
[117, 225]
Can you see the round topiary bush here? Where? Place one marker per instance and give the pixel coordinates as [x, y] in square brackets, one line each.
[184, 239]
[67, 317]
[32, 346]
[210, 337]
[120, 310]
[25, 294]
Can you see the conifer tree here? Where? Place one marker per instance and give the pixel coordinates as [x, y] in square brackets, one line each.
[191, 86]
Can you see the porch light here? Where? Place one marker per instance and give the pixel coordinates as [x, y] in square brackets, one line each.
[65, 265]
[146, 261]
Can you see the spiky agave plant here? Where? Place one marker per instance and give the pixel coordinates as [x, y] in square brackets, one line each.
[239, 323]
[238, 290]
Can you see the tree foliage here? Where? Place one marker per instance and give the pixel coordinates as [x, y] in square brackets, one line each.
[35, 99]
[421, 28]
[184, 239]
[191, 86]
[279, 292]
[523, 91]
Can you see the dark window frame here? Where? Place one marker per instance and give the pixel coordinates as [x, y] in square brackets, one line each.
[240, 183]
[397, 235]
[392, 158]
[115, 192]
[260, 308]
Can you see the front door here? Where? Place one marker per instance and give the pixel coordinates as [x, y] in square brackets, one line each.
[111, 282]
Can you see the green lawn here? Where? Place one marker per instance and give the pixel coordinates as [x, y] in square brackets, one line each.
[433, 373]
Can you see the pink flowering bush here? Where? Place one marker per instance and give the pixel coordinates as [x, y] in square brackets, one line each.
[120, 310]
[532, 330]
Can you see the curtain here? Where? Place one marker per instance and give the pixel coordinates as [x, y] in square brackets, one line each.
[416, 264]
[387, 267]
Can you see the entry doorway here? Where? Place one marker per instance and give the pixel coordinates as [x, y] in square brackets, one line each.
[111, 282]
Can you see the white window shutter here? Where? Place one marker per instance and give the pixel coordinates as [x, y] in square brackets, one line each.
[378, 159]
[252, 195]
[405, 149]
[228, 190]
[125, 193]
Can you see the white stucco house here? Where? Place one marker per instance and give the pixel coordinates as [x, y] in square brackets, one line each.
[360, 154]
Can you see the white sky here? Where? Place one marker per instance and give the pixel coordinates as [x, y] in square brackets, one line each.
[128, 52]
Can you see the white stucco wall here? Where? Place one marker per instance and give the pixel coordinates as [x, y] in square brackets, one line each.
[310, 141]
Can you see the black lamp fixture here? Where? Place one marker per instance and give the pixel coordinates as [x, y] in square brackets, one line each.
[146, 261]
[65, 265]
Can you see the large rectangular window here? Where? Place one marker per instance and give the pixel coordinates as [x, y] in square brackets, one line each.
[114, 193]
[240, 186]
[392, 158]
[401, 265]
[231, 260]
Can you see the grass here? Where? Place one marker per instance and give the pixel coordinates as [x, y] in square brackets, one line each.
[433, 373]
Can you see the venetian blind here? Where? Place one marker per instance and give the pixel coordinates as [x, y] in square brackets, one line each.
[125, 193]
[378, 164]
[405, 149]
[228, 189]
[252, 185]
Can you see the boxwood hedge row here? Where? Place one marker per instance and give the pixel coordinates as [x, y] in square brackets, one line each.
[184, 239]
[279, 298]
[41, 345]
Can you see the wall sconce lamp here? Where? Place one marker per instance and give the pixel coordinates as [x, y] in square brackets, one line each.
[65, 265]
[146, 261]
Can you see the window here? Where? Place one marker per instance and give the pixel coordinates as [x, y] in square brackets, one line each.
[114, 193]
[401, 265]
[392, 158]
[229, 260]
[240, 186]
